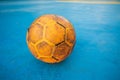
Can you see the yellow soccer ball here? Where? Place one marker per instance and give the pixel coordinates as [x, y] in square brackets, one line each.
[51, 38]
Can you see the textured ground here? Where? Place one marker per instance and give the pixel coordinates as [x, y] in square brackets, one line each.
[96, 55]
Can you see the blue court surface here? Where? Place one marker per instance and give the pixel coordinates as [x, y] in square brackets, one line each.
[96, 55]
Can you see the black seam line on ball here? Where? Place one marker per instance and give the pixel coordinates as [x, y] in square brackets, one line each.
[59, 43]
[61, 25]
[55, 58]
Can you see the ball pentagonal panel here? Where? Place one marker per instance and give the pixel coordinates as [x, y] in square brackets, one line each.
[35, 33]
[44, 49]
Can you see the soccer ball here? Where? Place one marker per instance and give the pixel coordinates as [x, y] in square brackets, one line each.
[51, 38]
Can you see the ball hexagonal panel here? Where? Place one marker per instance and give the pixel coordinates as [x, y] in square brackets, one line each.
[61, 51]
[32, 49]
[35, 33]
[70, 36]
[48, 59]
[45, 19]
[52, 33]
[62, 21]
[44, 49]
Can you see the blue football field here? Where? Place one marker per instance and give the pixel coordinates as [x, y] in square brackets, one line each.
[96, 54]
